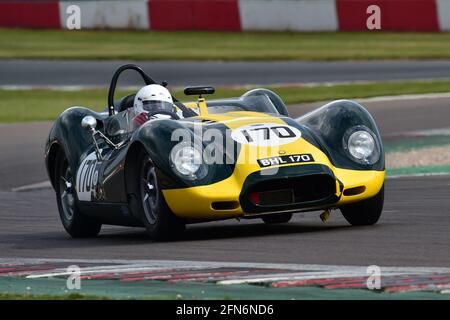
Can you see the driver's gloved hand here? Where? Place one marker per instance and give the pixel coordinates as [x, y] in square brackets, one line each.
[140, 119]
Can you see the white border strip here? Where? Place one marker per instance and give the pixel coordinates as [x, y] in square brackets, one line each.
[443, 9]
[288, 15]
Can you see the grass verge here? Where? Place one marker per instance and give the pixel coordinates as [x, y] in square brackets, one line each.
[135, 45]
[55, 288]
[428, 170]
[73, 296]
[45, 104]
[415, 143]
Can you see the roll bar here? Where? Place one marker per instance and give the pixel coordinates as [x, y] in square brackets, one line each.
[112, 87]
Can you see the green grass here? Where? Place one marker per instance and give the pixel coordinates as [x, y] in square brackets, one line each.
[140, 45]
[413, 143]
[55, 288]
[45, 104]
[73, 296]
[439, 169]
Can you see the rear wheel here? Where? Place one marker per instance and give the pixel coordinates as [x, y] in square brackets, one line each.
[158, 219]
[366, 212]
[277, 218]
[74, 221]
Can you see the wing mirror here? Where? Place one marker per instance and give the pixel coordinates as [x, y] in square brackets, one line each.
[89, 123]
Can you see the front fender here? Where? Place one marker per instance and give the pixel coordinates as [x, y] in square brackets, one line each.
[329, 125]
[157, 138]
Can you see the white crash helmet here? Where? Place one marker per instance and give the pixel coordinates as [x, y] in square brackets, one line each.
[153, 97]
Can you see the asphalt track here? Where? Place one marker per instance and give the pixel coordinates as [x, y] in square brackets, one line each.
[413, 231]
[99, 73]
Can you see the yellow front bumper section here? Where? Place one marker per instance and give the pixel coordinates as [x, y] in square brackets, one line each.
[198, 202]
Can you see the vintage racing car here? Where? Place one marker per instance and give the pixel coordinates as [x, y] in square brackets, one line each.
[176, 170]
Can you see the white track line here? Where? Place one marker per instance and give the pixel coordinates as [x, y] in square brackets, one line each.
[419, 133]
[62, 87]
[430, 132]
[406, 97]
[231, 86]
[212, 264]
[312, 276]
[35, 186]
[418, 175]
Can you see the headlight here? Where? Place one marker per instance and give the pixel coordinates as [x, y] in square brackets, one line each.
[362, 146]
[187, 161]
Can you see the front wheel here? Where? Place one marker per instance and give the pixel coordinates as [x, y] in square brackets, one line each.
[74, 221]
[158, 219]
[364, 213]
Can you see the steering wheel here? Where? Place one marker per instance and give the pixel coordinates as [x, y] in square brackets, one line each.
[172, 115]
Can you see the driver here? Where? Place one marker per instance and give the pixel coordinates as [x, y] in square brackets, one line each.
[151, 99]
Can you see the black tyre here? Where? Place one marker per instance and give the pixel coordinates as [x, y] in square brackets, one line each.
[74, 221]
[366, 212]
[277, 218]
[158, 219]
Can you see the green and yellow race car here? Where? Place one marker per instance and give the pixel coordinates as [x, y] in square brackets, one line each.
[212, 160]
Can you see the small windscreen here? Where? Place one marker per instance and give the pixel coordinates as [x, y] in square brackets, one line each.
[260, 103]
[256, 103]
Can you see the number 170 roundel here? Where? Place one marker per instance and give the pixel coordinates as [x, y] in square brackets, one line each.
[266, 134]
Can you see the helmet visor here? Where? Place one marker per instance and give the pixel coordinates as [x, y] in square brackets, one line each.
[157, 105]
